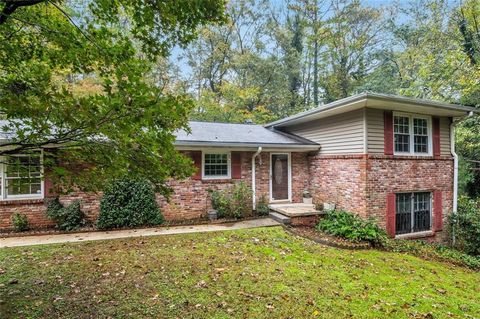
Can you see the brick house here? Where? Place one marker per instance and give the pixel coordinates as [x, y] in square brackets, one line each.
[382, 156]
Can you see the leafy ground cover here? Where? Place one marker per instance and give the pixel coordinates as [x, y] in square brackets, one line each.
[256, 273]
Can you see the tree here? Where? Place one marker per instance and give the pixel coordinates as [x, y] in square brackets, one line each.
[352, 35]
[122, 122]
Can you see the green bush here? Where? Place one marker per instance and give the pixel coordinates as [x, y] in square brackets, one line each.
[220, 202]
[129, 203]
[465, 226]
[241, 200]
[234, 202]
[352, 227]
[434, 251]
[262, 206]
[67, 218]
[19, 222]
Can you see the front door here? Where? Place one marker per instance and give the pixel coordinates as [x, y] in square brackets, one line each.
[279, 178]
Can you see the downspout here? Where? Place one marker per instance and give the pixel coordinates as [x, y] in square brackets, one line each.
[455, 167]
[259, 150]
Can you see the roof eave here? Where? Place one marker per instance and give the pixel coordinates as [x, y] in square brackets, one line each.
[363, 99]
[304, 147]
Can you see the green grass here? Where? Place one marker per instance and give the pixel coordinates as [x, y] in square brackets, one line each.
[258, 273]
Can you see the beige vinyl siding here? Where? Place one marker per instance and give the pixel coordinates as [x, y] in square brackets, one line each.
[338, 134]
[375, 129]
[375, 136]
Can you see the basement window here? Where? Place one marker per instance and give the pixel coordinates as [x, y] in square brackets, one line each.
[413, 212]
[22, 176]
[412, 134]
[216, 165]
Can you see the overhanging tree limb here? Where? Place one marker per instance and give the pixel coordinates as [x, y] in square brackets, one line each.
[11, 5]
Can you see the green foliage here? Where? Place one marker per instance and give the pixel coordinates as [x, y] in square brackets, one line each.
[129, 203]
[352, 227]
[220, 202]
[262, 206]
[19, 222]
[468, 147]
[235, 202]
[67, 218]
[465, 226]
[78, 76]
[433, 251]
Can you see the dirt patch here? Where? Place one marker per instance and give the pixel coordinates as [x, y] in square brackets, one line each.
[322, 238]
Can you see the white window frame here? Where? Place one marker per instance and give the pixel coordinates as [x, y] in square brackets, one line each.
[3, 190]
[229, 165]
[412, 116]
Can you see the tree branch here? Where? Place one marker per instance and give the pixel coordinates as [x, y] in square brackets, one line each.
[12, 5]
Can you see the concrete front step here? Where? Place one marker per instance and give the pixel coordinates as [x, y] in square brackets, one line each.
[280, 218]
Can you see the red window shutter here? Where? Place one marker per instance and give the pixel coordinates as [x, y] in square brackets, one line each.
[48, 186]
[391, 214]
[437, 210]
[236, 158]
[197, 162]
[436, 136]
[388, 132]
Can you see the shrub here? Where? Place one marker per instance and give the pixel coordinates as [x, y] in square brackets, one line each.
[19, 222]
[220, 202]
[129, 203]
[262, 206]
[465, 226]
[352, 227]
[241, 203]
[434, 251]
[232, 203]
[67, 218]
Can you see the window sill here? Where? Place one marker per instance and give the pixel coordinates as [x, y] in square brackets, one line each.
[21, 201]
[422, 234]
[217, 180]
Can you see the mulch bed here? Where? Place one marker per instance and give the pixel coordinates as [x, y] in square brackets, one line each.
[325, 239]
[91, 228]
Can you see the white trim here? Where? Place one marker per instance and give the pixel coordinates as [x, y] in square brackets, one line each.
[3, 191]
[229, 165]
[365, 131]
[289, 166]
[412, 116]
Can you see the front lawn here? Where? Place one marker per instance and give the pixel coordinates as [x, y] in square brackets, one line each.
[257, 273]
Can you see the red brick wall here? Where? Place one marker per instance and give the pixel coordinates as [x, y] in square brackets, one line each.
[189, 200]
[387, 174]
[340, 180]
[35, 209]
[360, 183]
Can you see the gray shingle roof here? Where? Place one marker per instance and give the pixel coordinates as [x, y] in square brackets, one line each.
[229, 134]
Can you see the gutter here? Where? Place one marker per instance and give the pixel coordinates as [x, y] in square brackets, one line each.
[304, 147]
[254, 200]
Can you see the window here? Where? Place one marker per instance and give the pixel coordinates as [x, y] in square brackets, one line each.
[216, 165]
[413, 212]
[412, 134]
[22, 176]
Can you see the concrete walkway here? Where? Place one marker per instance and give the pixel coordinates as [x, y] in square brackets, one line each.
[103, 235]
